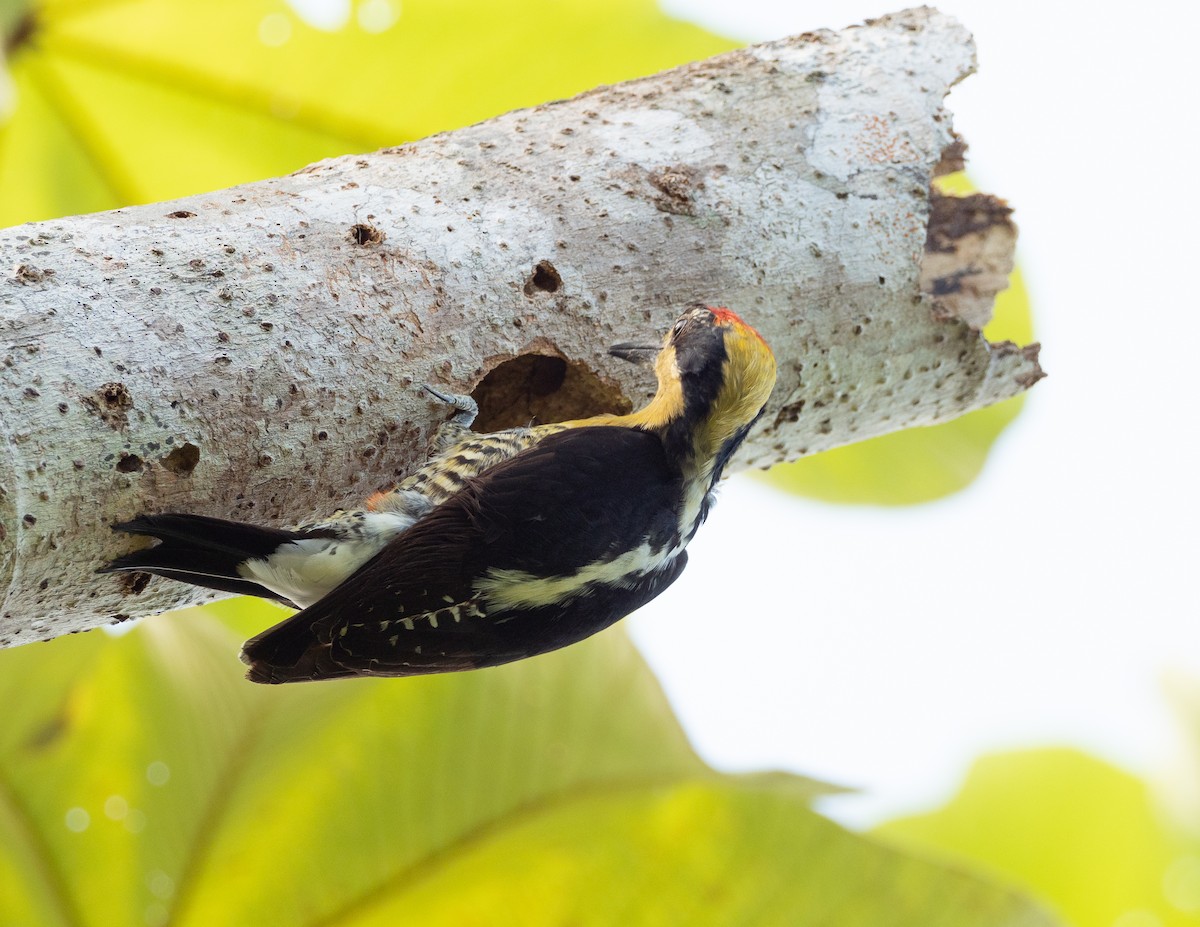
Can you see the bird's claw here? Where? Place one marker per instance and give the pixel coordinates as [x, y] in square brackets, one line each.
[466, 407]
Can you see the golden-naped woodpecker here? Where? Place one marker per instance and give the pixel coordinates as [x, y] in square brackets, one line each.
[503, 546]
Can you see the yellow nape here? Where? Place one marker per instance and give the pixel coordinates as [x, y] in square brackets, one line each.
[748, 378]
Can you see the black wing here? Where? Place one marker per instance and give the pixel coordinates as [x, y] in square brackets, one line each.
[579, 497]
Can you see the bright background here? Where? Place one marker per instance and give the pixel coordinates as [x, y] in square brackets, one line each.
[900, 650]
[886, 648]
[1049, 601]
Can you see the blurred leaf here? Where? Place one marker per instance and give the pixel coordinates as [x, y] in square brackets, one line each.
[143, 100]
[1082, 835]
[917, 464]
[10, 14]
[1182, 791]
[142, 781]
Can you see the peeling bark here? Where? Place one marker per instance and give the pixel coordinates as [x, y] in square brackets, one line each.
[968, 256]
[255, 352]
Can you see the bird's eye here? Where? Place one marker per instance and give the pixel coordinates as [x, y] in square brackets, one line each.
[679, 326]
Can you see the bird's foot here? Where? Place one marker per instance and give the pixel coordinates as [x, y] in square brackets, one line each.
[466, 407]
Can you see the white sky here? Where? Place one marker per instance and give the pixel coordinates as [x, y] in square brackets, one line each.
[887, 648]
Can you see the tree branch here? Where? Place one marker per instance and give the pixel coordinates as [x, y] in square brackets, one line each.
[254, 352]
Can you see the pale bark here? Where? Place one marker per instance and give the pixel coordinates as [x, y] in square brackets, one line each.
[254, 353]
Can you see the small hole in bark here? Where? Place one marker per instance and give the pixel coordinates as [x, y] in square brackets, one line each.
[182, 460]
[115, 396]
[130, 463]
[362, 234]
[181, 214]
[544, 278]
[134, 583]
[539, 388]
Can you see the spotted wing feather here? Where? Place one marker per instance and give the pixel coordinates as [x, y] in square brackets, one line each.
[579, 497]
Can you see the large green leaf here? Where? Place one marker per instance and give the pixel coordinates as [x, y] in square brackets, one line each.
[1088, 838]
[126, 101]
[143, 781]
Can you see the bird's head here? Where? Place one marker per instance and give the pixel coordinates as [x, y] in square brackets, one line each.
[715, 373]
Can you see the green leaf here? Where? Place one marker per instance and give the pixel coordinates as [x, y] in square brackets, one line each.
[1087, 838]
[145, 100]
[142, 780]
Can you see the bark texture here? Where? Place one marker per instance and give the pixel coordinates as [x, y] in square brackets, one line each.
[255, 352]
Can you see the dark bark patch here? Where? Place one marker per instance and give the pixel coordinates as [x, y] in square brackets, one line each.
[545, 278]
[130, 463]
[362, 234]
[677, 185]
[27, 273]
[952, 218]
[182, 460]
[112, 402]
[134, 583]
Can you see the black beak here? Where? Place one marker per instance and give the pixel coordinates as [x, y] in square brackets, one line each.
[635, 353]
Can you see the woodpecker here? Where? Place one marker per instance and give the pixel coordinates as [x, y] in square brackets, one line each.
[502, 546]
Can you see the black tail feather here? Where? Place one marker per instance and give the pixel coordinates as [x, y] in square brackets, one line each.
[200, 550]
[214, 534]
